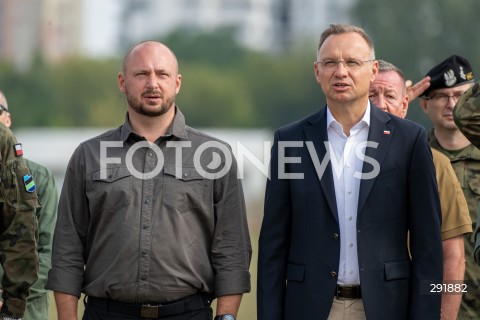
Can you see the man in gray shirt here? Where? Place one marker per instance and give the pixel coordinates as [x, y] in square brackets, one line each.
[151, 220]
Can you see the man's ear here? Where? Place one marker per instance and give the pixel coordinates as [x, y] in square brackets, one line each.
[315, 71]
[178, 83]
[121, 82]
[404, 109]
[423, 104]
[8, 120]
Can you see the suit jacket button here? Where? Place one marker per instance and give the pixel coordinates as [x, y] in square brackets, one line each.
[333, 274]
[335, 236]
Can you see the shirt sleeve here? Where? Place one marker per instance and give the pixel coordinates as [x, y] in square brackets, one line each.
[47, 216]
[455, 215]
[67, 272]
[231, 248]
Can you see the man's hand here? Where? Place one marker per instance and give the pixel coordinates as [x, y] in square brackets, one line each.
[413, 91]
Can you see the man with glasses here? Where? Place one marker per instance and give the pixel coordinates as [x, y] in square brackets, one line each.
[389, 93]
[347, 185]
[448, 81]
[38, 301]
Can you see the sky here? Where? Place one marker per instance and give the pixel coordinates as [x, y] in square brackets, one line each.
[101, 27]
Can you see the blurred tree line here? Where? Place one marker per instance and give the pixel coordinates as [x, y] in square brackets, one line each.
[226, 85]
[223, 85]
[416, 35]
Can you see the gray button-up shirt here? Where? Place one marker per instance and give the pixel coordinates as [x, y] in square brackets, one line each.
[144, 223]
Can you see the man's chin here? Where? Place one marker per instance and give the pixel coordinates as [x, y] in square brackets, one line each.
[152, 112]
[450, 125]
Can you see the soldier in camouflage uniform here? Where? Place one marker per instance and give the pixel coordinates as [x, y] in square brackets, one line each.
[467, 117]
[388, 92]
[18, 227]
[38, 300]
[449, 80]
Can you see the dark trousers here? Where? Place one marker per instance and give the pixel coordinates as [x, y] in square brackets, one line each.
[94, 311]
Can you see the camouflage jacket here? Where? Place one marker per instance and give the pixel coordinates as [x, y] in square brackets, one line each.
[466, 164]
[37, 305]
[467, 114]
[18, 226]
[467, 118]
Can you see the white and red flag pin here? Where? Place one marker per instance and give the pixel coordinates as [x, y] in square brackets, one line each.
[386, 131]
[17, 148]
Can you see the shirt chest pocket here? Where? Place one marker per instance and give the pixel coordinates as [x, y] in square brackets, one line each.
[109, 189]
[183, 188]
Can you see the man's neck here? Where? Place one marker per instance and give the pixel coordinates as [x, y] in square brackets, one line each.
[451, 139]
[348, 114]
[151, 128]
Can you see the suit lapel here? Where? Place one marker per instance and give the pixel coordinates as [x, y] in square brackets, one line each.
[380, 132]
[317, 134]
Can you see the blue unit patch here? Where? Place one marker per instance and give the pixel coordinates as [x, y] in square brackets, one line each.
[29, 183]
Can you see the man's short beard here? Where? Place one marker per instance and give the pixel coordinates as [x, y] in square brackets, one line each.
[140, 107]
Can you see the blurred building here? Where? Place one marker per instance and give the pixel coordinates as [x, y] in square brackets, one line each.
[50, 29]
[303, 20]
[264, 25]
[55, 29]
[251, 20]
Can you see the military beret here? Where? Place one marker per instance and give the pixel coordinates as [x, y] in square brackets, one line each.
[451, 72]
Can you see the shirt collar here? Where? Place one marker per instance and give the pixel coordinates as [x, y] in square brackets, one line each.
[177, 128]
[364, 121]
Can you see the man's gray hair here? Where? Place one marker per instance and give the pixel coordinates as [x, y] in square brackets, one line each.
[335, 29]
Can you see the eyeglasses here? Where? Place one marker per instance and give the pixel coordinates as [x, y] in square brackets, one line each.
[444, 98]
[350, 64]
[2, 108]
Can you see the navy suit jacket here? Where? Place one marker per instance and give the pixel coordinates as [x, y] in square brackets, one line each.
[299, 247]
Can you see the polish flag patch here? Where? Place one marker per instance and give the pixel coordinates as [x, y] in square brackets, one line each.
[386, 131]
[17, 148]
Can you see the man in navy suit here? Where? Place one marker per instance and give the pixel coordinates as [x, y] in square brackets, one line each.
[347, 186]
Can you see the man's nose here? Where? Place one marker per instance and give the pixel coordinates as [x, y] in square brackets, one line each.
[152, 81]
[379, 102]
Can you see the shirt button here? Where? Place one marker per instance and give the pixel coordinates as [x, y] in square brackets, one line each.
[349, 191]
[143, 278]
[147, 200]
[350, 244]
[185, 174]
[335, 236]
[333, 274]
[145, 226]
[350, 218]
[351, 271]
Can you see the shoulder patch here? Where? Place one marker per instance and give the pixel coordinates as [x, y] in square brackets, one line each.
[17, 148]
[29, 183]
